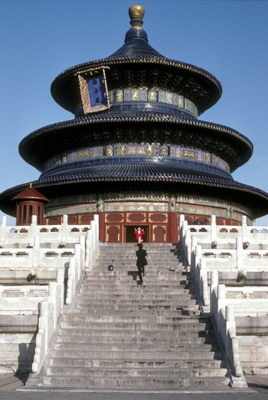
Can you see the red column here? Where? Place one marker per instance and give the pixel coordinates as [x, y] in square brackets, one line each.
[101, 226]
[173, 237]
[17, 214]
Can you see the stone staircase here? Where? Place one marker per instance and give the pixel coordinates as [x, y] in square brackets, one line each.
[124, 336]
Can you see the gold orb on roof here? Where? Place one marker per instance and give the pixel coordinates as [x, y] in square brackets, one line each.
[136, 14]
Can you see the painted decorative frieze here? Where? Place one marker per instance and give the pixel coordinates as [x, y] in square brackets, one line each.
[153, 95]
[145, 202]
[139, 149]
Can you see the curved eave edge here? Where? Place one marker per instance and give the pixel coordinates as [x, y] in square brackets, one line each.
[195, 180]
[148, 119]
[144, 118]
[131, 60]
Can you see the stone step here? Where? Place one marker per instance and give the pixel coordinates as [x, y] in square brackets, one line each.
[127, 259]
[136, 334]
[127, 276]
[145, 355]
[138, 326]
[133, 270]
[131, 244]
[142, 302]
[133, 259]
[136, 337]
[132, 267]
[137, 290]
[146, 246]
[133, 307]
[136, 319]
[170, 274]
[136, 372]
[112, 338]
[153, 382]
[137, 347]
[131, 253]
[128, 279]
[132, 285]
[121, 296]
[178, 312]
[128, 298]
[139, 294]
[135, 363]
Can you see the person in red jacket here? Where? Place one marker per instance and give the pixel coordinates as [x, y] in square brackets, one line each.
[139, 234]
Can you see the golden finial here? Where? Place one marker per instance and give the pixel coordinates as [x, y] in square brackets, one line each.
[136, 14]
[31, 185]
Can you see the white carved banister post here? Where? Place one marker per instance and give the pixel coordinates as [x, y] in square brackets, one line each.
[52, 299]
[239, 253]
[204, 280]
[92, 229]
[213, 294]
[3, 230]
[64, 230]
[77, 256]
[213, 231]
[43, 321]
[187, 249]
[93, 238]
[192, 250]
[60, 281]
[198, 256]
[88, 251]
[221, 303]
[182, 217]
[96, 220]
[71, 280]
[183, 238]
[33, 230]
[214, 280]
[82, 242]
[245, 236]
[230, 320]
[184, 229]
[36, 252]
[232, 347]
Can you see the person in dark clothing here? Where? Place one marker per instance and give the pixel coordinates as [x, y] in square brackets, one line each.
[141, 261]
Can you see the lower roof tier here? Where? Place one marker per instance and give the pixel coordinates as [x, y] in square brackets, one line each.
[143, 178]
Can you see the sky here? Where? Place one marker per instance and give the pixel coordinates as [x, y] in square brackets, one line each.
[41, 38]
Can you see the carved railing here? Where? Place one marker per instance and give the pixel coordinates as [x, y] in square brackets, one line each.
[84, 256]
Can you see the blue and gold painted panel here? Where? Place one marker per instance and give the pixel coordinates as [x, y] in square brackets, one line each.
[139, 149]
[152, 95]
[96, 91]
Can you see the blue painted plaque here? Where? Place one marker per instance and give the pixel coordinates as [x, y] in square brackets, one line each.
[96, 91]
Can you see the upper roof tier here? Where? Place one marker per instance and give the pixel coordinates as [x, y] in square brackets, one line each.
[136, 64]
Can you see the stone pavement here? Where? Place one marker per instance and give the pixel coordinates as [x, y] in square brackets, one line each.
[9, 383]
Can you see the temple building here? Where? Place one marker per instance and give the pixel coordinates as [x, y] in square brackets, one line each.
[136, 152]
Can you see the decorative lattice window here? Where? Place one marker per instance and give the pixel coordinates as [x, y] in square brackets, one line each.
[158, 217]
[159, 234]
[85, 219]
[114, 217]
[54, 221]
[136, 217]
[113, 234]
[72, 220]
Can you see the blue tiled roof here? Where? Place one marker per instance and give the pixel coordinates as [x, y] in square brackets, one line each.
[130, 117]
[141, 172]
